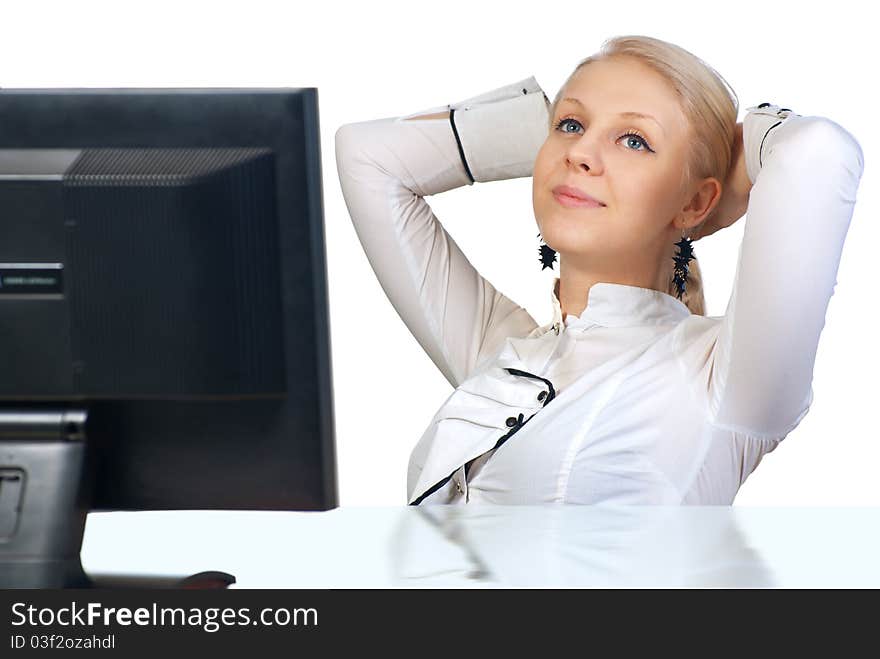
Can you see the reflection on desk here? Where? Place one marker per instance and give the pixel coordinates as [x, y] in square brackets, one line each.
[482, 546]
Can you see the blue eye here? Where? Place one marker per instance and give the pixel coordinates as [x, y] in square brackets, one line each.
[632, 133]
[561, 122]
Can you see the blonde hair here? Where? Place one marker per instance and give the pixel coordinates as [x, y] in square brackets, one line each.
[710, 106]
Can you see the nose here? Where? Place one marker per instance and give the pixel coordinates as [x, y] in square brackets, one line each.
[583, 154]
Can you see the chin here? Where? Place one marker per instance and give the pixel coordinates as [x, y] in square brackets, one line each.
[568, 243]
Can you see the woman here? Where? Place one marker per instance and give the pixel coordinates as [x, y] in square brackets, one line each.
[631, 395]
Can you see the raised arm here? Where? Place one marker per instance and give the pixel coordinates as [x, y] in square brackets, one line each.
[805, 172]
[388, 166]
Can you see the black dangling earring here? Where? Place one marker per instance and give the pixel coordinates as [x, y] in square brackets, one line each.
[680, 272]
[547, 255]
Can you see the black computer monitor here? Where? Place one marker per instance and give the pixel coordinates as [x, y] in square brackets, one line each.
[164, 331]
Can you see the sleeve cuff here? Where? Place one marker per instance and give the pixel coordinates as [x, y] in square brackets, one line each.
[500, 132]
[758, 127]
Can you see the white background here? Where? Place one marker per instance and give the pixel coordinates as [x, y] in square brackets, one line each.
[382, 59]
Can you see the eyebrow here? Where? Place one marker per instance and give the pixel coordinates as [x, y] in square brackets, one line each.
[637, 115]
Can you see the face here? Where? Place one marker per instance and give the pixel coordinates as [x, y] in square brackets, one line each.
[633, 165]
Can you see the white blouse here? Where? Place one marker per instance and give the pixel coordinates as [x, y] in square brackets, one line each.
[635, 401]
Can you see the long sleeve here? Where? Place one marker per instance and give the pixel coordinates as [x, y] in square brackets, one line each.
[386, 169]
[805, 172]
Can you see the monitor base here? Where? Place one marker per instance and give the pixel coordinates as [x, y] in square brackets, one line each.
[211, 580]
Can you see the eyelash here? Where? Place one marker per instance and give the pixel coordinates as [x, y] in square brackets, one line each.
[632, 132]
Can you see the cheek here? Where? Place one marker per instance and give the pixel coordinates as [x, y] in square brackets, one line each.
[542, 161]
[642, 190]
[541, 172]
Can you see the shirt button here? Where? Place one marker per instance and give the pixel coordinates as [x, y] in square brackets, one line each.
[542, 395]
[511, 421]
[458, 486]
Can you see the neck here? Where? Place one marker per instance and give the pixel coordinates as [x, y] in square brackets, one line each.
[575, 283]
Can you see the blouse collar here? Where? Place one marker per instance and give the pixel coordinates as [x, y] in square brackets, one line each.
[621, 305]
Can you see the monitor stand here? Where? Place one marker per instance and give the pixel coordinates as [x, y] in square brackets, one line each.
[44, 501]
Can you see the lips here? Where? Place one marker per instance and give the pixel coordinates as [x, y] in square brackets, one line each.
[569, 196]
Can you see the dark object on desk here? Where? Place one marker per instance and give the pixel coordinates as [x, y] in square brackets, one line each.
[207, 581]
[163, 311]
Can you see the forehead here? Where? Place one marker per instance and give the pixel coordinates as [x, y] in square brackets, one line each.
[614, 86]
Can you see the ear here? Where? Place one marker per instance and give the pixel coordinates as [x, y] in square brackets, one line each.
[704, 197]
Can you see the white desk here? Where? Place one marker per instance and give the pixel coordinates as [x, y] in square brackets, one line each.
[497, 546]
